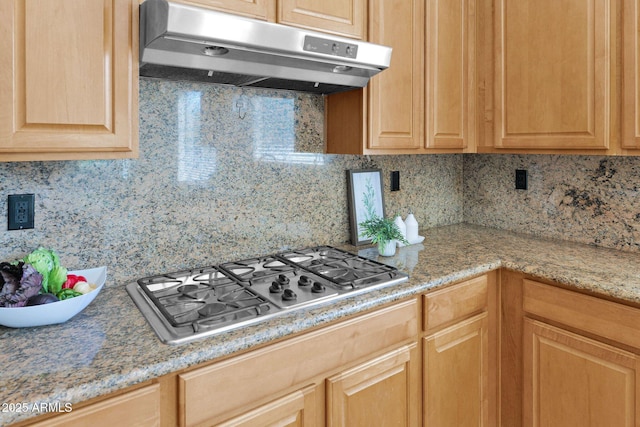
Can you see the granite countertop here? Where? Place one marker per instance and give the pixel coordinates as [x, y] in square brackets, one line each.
[110, 346]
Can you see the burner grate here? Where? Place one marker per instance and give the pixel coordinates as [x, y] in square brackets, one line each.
[202, 295]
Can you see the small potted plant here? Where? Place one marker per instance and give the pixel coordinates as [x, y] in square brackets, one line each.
[384, 232]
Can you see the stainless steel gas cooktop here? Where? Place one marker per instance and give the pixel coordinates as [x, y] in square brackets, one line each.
[191, 304]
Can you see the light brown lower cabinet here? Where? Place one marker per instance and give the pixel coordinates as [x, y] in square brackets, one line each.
[571, 380]
[346, 367]
[456, 373]
[140, 408]
[295, 409]
[579, 358]
[459, 353]
[379, 392]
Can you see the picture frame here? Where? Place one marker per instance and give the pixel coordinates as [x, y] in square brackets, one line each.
[365, 194]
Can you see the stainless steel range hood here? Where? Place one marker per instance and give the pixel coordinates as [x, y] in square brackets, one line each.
[182, 42]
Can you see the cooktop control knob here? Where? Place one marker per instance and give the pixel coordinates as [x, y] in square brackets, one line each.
[304, 281]
[289, 295]
[317, 288]
[283, 279]
[276, 287]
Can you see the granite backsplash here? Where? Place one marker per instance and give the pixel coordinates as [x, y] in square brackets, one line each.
[588, 199]
[226, 173]
[223, 173]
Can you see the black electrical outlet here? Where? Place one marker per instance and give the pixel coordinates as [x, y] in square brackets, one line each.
[21, 209]
[395, 180]
[521, 179]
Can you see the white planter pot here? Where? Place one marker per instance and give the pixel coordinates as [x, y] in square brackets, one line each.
[387, 249]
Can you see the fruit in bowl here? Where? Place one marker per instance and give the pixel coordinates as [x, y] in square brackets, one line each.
[37, 290]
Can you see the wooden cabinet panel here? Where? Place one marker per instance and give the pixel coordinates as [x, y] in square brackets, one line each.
[456, 375]
[293, 410]
[510, 348]
[606, 319]
[631, 83]
[396, 98]
[450, 71]
[555, 69]
[454, 303]
[70, 88]
[263, 374]
[379, 392]
[429, 88]
[136, 408]
[342, 17]
[571, 380]
[259, 9]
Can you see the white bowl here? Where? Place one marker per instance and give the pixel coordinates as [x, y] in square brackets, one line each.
[54, 312]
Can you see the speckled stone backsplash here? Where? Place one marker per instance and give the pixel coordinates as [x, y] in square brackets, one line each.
[587, 199]
[223, 173]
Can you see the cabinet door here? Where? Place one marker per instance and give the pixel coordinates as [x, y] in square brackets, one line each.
[396, 96]
[380, 392]
[570, 380]
[294, 410]
[68, 81]
[343, 17]
[631, 84]
[456, 375]
[555, 74]
[236, 384]
[136, 408]
[259, 9]
[450, 69]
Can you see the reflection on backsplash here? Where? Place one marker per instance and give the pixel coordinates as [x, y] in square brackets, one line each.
[224, 173]
[196, 161]
[275, 133]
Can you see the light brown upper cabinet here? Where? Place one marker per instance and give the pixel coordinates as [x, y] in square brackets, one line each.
[69, 79]
[424, 102]
[342, 17]
[555, 76]
[259, 9]
[631, 82]
[450, 67]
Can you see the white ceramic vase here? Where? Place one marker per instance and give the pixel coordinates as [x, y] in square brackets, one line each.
[402, 227]
[412, 228]
[387, 248]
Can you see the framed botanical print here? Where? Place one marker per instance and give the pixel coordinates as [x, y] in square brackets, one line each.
[366, 200]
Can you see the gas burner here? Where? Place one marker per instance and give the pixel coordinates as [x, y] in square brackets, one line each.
[343, 269]
[188, 296]
[253, 268]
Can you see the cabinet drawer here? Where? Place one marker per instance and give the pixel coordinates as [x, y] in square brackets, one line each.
[213, 393]
[139, 407]
[454, 303]
[604, 318]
